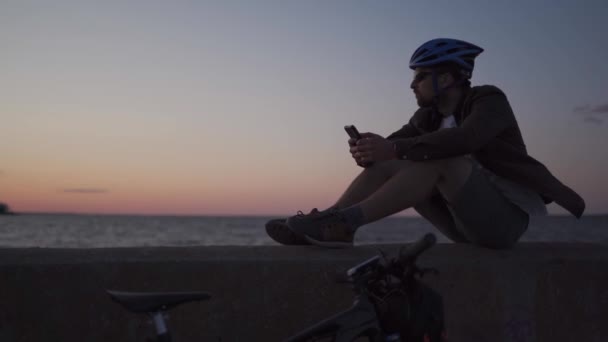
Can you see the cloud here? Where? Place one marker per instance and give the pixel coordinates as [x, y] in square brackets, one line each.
[582, 109]
[602, 109]
[587, 109]
[85, 191]
[594, 120]
[593, 115]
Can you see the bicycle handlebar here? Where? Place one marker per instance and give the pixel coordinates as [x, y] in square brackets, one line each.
[376, 266]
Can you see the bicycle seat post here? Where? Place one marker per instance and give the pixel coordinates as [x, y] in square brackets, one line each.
[162, 333]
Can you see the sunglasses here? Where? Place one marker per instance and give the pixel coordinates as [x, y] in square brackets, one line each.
[421, 76]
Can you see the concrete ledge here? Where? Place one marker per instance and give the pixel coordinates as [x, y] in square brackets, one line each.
[536, 292]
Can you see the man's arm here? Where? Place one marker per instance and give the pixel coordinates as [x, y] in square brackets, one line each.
[490, 115]
[407, 131]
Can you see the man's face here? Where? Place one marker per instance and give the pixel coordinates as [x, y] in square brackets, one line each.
[422, 85]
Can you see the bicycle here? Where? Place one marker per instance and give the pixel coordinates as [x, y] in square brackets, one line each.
[390, 304]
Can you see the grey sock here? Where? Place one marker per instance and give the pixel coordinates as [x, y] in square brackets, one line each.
[354, 216]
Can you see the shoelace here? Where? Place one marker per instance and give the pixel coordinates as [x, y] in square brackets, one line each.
[313, 211]
[333, 230]
[341, 218]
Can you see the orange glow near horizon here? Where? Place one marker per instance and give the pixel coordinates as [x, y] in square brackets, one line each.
[262, 196]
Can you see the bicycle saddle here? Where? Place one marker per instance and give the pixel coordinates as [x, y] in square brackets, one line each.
[141, 302]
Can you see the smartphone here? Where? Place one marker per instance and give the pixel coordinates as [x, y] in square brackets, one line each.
[352, 132]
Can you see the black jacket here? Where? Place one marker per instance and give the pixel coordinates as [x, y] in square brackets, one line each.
[487, 129]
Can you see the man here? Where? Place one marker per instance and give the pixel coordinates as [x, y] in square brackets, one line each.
[460, 162]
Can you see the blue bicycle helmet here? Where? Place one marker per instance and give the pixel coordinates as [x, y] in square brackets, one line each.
[446, 50]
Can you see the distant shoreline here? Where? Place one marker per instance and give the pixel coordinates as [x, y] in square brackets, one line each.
[222, 215]
[5, 209]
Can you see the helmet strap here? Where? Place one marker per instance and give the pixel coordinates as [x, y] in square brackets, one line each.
[436, 89]
[438, 92]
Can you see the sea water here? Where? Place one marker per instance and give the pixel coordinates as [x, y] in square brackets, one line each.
[92, 231]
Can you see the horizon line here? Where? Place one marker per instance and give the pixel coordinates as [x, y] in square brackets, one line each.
[413, 215]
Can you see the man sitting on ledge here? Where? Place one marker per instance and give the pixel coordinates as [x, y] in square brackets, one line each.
[461, 162]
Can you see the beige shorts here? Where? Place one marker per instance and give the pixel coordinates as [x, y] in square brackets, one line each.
[481, 214]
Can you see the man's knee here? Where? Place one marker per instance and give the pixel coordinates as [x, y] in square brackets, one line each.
[387, 168]
[453, 175]
[446, 168]
[455, 165]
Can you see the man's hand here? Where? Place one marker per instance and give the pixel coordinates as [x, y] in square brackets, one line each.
[352, 143]
[371, 148]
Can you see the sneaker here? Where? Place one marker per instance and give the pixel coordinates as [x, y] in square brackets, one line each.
[326, 228]
[277, 230]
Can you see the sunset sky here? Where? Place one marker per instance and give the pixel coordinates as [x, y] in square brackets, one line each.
[238, 107]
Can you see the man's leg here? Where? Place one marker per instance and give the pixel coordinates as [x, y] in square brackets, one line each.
[365, 184]
[472, 209]
[484, 215]
[398, 184]
[435, 210]
[413, 183]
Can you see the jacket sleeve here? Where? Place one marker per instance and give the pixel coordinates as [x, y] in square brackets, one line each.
[411, 129]
[407, 131]
[490, 114]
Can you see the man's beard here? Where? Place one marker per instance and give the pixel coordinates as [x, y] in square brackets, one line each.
[424, 102]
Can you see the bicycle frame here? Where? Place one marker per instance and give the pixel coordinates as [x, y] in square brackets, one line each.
[358, 321]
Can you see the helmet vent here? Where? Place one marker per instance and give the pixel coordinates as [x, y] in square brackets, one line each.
[428, 58]
[421, 52]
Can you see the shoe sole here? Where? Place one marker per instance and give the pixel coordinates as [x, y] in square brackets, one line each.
[329, 244]
[279, 232]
